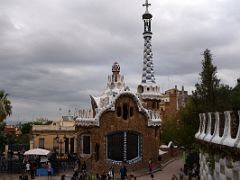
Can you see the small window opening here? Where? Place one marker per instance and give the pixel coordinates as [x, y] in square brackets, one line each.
[96, 152]
[125, 111]
[86, 144]
[119, 111]
[131, 111]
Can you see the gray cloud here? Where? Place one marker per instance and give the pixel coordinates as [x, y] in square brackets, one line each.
[54, 54]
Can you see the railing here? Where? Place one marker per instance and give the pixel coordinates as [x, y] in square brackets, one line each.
[220, 128]
[52, 128]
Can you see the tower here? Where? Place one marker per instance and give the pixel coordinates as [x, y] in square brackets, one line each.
[148, 90]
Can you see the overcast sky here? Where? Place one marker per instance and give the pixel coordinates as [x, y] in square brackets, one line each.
[54, 53]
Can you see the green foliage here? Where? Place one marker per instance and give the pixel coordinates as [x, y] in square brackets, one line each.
[2, 141]
[188, 124]
[205, 92]
[211, 162]
[5, 105]
[11, 138]
[2, 136]
[235, 96]
[2, 126]
[182, 128]
[223, 98]
[23, 139]
[26, 127]
[209, 96]
[169, 130]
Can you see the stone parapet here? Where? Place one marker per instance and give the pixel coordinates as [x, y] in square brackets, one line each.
[220, 128]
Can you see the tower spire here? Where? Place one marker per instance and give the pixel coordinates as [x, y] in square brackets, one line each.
[147, 5]
[148, 69]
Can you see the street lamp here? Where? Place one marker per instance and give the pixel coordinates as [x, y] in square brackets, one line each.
[60, 142]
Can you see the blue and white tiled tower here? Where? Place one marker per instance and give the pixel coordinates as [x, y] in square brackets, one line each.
[148, 72]
[148, 88]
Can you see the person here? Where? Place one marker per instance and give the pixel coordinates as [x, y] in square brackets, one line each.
[159, 161]
[111, 172]
[98, 177]
[63, 165]
[150, 166]
[103, 176]
[63, 177]
[32, 170]
[123, 172]
[181, 174]
[152, 177]
[195, 170]
[49, 169]
[84, 167]
[23, 176]
[74, 177]
[28, 167]
[78, 163]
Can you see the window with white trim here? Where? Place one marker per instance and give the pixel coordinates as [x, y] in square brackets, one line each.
[124, 146]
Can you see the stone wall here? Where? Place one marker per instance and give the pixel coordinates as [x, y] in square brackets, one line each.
[219, 139]
[223, 168]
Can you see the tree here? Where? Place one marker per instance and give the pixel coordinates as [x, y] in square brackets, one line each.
[205, 92]
[235, 96]
[223, 98]
[5, 105]
[2, 136]
[26, 127]
[169, 130]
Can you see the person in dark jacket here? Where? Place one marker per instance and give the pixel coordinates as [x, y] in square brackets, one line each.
[123, 172]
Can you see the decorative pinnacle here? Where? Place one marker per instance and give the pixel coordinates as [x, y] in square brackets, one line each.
[147, 5]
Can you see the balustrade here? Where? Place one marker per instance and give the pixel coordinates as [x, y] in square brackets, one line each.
[220, 128]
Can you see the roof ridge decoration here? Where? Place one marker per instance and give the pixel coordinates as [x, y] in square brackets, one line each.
[153, 117]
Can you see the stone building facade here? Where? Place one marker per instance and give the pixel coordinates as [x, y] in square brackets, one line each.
[172, 101]
[59, 136]
[123, 126]
[121, 130]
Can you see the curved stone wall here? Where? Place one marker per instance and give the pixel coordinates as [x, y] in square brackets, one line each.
[220, 130]
[223, 168]
[224, 131]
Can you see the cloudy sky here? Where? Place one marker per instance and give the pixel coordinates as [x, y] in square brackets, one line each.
[54, 53]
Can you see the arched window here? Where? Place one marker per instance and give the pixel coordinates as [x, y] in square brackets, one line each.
[124, 146]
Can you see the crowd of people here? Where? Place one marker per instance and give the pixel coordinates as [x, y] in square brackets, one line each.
[80, 173]
[187, 174]
[29, 169]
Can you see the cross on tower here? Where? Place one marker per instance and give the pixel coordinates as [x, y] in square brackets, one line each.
[147, 5]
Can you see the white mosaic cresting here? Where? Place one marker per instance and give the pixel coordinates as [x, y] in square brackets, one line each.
[204, 132]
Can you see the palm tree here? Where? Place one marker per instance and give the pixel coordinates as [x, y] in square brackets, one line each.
[5, 106]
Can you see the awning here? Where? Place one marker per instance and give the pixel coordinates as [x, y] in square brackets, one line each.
[37, 151]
